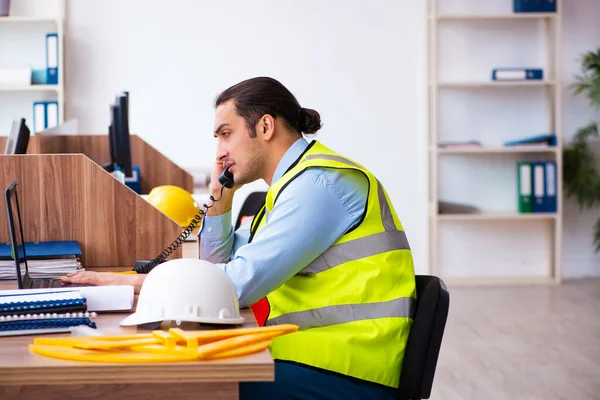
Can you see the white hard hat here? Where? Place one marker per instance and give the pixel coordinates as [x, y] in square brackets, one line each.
[189, 290]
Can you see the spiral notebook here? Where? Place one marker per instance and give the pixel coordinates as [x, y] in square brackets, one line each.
[35, 324]
[41, 302]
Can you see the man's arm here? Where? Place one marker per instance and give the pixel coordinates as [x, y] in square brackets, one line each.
[311, 214]
[217, 242]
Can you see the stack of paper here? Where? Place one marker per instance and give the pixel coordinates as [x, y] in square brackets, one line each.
[44, 259]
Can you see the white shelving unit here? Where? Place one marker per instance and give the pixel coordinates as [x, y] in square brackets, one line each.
[498, 245]
[17, 100]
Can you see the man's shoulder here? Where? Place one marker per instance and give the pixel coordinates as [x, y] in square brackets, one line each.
[342, 181]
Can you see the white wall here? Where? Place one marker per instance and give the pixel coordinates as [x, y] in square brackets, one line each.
[361, 64]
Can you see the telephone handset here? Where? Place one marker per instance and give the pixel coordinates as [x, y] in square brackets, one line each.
[226, 180]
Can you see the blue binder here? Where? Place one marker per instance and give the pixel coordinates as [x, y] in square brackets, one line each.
[52, 59]
[45, 306]
[45, 115]
[534, 6]
[40, 118]
[539, 186]
[550, 187]
[517, 74]
[51, 249]
[549, 139]
[12, 325]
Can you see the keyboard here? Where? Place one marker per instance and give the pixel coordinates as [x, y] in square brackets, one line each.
[52, 283]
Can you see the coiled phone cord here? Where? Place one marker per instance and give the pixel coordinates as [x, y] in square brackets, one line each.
[145, 268]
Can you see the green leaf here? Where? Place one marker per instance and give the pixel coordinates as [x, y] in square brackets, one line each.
[580, 178]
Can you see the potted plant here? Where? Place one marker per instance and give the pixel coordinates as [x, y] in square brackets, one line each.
[580, 174]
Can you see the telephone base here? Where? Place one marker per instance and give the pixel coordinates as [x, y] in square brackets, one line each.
[140, 263]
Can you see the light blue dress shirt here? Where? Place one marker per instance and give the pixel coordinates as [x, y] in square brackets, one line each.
[311, 214]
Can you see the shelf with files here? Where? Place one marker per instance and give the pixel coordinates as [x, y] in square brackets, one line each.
[24, 42]
[476, 17]
[491, 216]
[495, 150]
[31, 88]
[476, 232]
[26, 19]
[492, 84]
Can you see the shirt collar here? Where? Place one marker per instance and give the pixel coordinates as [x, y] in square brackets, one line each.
[288, 158]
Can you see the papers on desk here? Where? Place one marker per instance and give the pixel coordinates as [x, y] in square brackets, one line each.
[44, 259]
[42, 268]
[98, 298]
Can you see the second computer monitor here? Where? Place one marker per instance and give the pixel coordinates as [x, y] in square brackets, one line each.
[122, 136]
[18, 139]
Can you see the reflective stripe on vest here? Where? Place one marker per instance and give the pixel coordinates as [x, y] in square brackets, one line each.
[384, 207]
[331, 315]
[355, 249]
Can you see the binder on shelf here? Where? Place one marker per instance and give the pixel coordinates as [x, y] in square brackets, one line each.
[548, 139]
[51, 114]
[39, 116]
[539, 187]
[520, 6]
[550, 187]
[52, 59]
[45, 115]
[525, 187]
[549, 6]
[517, 74]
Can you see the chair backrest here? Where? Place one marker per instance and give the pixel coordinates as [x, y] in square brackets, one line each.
[251, 206]
[425, 338]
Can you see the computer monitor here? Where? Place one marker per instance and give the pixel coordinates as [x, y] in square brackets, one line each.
[122, 140]
[112, 138]
[18, 138]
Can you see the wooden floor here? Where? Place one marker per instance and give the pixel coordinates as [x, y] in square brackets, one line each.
[540, 342]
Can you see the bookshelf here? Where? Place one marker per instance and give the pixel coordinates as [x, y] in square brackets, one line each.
[498, 244]
[22, 42]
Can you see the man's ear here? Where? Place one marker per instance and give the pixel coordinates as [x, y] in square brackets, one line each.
[265, 127]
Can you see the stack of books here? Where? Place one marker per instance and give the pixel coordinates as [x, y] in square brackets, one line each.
[44, 259]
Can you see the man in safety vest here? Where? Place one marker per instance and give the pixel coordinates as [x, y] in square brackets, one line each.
[327, 252]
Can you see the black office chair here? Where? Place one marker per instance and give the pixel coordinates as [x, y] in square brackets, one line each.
[251, 206]
[425, 338]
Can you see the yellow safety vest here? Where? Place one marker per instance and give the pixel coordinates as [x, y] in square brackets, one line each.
[354, 304]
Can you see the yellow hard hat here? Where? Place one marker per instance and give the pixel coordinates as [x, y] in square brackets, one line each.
[175, 202]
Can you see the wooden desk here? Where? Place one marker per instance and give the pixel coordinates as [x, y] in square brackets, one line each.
[25, 375]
